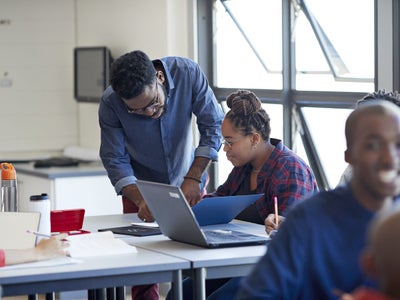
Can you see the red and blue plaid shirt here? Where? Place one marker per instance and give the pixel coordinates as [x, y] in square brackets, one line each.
[284, 175]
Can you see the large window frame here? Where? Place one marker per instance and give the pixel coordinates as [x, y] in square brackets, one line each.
[387, 75]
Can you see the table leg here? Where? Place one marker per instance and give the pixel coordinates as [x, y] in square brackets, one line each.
[120, 292]
[199, 280]
[97, 294]
[177, 285]
[110, 293]
[50, 296]
[100, 294]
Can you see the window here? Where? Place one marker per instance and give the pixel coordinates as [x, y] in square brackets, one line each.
[248, 41]
[326, 127]
[334, 45]
[315, 55]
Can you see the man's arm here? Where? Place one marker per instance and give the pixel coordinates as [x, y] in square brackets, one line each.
[191, 184]
[131, 192]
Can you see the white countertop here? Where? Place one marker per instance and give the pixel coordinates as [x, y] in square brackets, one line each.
[83, 169]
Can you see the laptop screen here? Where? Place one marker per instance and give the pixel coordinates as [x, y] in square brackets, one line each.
[13, 229]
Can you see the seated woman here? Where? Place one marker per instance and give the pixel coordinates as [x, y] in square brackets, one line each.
[45, 249]
[261, 165]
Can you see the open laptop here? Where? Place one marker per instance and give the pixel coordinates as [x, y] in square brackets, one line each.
[177, 221]
[13, 229]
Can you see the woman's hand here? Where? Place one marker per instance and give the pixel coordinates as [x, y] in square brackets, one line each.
[270, 223]
[52, 247]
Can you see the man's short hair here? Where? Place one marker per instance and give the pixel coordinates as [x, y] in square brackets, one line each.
[131, 73]
[371, 108]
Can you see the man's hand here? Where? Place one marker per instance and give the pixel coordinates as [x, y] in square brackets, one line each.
[270, 223]
[191, 190]
[131, 192]
[144, 213]
[190, 185]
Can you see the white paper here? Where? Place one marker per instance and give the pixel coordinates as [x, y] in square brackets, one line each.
[97, 244]
[59, 261]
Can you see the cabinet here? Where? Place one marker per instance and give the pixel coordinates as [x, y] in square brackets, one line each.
[86, 186]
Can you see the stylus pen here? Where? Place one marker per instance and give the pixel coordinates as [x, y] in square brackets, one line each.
[39, 234]
[44, 235]
[276, 210]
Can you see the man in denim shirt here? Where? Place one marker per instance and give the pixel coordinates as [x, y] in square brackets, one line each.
[146, 127]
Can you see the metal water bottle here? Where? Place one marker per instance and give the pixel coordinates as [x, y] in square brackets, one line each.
[9, 193]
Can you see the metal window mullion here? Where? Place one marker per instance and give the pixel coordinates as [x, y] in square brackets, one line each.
[288, 73]
[396, 45]
[311, 151]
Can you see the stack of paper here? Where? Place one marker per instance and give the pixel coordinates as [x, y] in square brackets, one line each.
[97, 244]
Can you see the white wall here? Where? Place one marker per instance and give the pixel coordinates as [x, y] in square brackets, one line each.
[158, 27]
[37, 37]
[36, 42]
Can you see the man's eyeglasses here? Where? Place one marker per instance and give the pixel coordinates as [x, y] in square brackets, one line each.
[149, 107]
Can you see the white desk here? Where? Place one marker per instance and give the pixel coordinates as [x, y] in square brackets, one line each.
[205, 263]
[143, 267]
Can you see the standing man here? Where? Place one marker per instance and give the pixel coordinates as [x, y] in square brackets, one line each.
[316, 249]
[146, 127]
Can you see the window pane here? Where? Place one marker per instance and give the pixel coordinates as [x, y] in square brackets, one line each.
[346, 28]
[326, 126]
[248, 52]
[275, 114]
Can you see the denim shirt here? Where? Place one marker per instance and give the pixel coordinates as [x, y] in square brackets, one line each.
[161, 150]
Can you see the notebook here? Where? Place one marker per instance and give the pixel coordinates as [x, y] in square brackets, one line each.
[177, 221]
[221, 210]
[13, 227]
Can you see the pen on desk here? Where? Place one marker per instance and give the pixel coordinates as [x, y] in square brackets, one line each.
[276, 210]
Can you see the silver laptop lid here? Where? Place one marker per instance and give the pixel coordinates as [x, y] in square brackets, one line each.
[174, 216]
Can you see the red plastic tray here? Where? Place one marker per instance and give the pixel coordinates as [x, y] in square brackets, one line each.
[67, 221]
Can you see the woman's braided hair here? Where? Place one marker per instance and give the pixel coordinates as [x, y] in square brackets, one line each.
[247, 115]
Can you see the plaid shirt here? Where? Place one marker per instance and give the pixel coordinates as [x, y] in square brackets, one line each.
[284, 175]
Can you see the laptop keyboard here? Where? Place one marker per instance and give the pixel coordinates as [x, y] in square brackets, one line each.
[228, 235]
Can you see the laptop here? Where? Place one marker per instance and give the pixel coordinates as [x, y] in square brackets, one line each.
[13, 229]
[177, 221]
[222, 210]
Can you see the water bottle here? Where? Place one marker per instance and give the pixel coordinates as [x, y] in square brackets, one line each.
[9, 193]
[41, 203]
